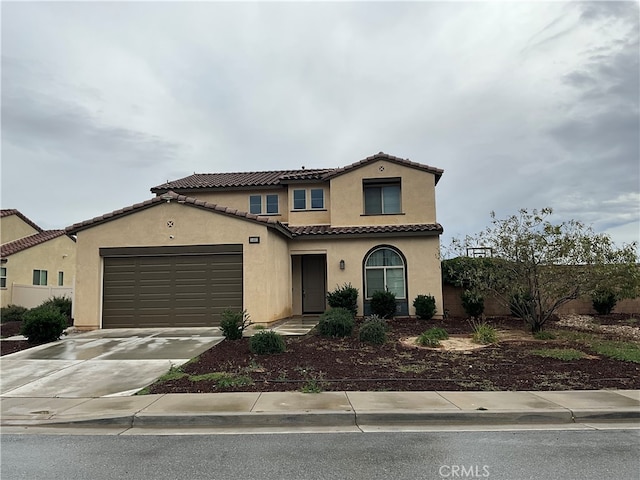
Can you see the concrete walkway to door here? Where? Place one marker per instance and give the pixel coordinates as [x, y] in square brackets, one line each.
[101, 363]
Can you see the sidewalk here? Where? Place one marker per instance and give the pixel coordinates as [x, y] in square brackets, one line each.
[295, 410]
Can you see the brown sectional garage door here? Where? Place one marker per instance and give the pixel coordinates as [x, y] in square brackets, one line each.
[170, 286]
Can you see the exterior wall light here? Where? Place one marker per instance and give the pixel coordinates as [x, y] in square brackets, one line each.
[341, 264]
[254, 239]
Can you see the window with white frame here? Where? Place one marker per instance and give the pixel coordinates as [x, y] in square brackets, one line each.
[382, 196]
[39, 277]
[299, 199]
[3, 277]
[60, 279]
[270, 204]
[317, 199]
[385, 271]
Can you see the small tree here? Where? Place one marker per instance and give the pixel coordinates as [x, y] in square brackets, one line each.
[544, 265]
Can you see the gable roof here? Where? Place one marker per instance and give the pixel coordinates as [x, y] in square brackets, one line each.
[274, 178]
[6, 212]
[389, 158]
[27, 242]
[182, 199]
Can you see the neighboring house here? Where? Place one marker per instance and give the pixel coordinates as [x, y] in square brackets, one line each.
[35, 264]
[271, 243]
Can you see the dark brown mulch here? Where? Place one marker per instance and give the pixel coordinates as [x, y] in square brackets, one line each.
[338, 364]
[9, 329]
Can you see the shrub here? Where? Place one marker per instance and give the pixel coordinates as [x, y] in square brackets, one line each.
[604, 301]
[266, 342]
[425, 306]
[432, 337]
[473, 303]
[234, 323]
[373, 330]
[345, 296]
[336, 322]
[43, 324]
[63, 304]
[12, 313]
[484, 333]
[383, 304]
[522, 305]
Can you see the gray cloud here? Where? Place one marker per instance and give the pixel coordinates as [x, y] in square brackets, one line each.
[523, 104]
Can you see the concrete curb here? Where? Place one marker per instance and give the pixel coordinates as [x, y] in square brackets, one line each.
[326, 409]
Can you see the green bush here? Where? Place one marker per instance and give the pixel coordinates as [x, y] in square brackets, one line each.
[234, 323]
[266, 342]
[345, 296]
[373, 330]
[12, 313]
[336, 322]
[383, 304]
[522, 305]
[432, 337]
[425, 306]
[43, 324]
[63, 304]
[604, 301]
[473, 303]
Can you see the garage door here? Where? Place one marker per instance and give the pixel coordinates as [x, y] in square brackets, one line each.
[170, 286]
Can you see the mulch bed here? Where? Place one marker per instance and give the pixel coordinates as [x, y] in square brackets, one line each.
[339, 364]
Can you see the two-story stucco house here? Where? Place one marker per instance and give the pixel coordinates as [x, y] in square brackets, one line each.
[35, 264]
[272, 243]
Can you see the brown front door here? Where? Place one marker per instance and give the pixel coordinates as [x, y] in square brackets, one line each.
[314, 288]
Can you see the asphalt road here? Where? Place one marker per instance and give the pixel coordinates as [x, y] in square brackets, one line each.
[566, 455]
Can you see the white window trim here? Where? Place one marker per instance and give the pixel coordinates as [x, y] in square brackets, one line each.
[384, 274]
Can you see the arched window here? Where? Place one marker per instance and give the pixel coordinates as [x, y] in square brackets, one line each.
[384, 269]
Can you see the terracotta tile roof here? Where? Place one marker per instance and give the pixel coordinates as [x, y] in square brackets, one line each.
[28, 242]
[280, 177]
[169, 196]
[239, 179]
[390, 158]
[5, 212]
[326, 230]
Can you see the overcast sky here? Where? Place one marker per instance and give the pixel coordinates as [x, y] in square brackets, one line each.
[524, 105]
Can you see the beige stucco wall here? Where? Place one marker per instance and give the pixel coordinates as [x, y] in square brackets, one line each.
[421, 253]
[56, 255]
[418, 196]
[13, 228]
[266, 298]
[239, 199]
[309, 216]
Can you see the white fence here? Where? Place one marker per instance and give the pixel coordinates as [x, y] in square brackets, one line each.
[30, 296]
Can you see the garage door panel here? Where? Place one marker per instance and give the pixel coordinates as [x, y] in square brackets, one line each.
[170, 290]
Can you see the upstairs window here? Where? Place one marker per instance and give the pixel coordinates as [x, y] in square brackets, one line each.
[271, 204]
[299, 199]
[39, 277]
[3, 277]
[255, 204]
[317, 198]
[382, 197]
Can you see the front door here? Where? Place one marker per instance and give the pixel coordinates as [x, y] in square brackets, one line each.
[313, 283]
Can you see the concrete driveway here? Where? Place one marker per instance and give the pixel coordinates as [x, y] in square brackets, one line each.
[101, 363]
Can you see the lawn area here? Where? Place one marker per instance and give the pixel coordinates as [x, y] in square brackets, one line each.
[577, 353]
